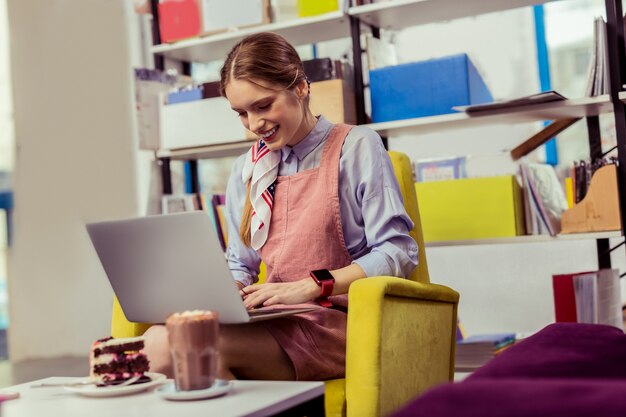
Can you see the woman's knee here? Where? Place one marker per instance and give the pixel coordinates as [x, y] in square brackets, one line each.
[157, 349]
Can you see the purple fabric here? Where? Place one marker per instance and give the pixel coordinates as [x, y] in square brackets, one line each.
[550, 397]
[566, 369]
[562, 350]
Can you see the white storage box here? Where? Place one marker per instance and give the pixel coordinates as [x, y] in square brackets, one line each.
[199, 123]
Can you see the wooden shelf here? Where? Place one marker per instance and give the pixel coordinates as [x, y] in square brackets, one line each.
[527, 239]
[582, 107]
[220, 150]
[302, 31]
[399, 14]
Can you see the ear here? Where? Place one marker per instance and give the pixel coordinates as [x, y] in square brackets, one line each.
[302, 89]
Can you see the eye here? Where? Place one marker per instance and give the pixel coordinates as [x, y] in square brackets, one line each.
[265, 106]
[242, 114]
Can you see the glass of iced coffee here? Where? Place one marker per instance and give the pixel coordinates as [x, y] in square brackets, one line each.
[193, 337]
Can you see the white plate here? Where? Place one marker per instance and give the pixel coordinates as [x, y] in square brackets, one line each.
[168, 391]
[112, 390]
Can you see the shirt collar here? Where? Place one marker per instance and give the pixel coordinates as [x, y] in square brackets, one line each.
[310, 142]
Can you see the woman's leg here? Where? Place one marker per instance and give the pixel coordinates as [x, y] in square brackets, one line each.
[250, 352]
[245, 351]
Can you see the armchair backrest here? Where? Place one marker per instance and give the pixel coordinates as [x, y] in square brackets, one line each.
[404, 174]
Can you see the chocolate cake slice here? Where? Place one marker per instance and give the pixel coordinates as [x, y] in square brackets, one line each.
[113, 361]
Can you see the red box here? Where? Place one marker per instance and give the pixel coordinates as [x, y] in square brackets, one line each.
[178, 19]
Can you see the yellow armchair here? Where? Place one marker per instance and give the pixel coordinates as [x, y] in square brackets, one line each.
[401, 332]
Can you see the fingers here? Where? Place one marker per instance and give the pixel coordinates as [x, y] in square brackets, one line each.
[272, 301]
[256, 295]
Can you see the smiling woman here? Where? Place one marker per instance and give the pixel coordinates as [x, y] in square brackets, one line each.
[317, 203]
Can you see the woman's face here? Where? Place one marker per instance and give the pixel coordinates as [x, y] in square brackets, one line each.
[275, 115]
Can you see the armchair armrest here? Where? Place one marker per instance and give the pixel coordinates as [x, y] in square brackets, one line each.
[400, 341]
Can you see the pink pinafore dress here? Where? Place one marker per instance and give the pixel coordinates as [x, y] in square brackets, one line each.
[306, 234]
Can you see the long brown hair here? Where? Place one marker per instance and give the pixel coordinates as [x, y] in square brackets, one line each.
[267, 58]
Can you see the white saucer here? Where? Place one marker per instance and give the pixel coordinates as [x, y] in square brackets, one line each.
[168, 391]
[113, 391]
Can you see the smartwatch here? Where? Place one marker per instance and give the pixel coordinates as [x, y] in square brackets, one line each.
[326, 281]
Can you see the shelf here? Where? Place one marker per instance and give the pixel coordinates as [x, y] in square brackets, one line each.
[399, 14]
[219, 150]
[527, 239]
[582, 107]
[302, 31]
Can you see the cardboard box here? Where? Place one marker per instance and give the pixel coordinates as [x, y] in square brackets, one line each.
[178, 19]
[425, 88]
[599, 210]
[316, 7]
[471, 208]
[220, 15]
[334, 99]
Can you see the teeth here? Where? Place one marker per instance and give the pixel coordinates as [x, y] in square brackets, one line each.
[270, 133]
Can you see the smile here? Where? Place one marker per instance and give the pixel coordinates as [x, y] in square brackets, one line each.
[269, 135]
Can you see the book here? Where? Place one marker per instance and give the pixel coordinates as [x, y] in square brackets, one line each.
[180, 203]
[530, 100]
[588, 297]
[474, 351]
[438, 169]
[597, 73]
[217, 208]
[544, 194]
[536, 224]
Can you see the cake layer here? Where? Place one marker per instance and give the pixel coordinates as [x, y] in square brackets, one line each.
[134, 363]
[120, 345]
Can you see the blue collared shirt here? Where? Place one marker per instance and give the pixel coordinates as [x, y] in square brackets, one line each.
[373, 218]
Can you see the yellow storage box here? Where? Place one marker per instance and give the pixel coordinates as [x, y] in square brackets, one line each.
[471, 208]
[315, 7]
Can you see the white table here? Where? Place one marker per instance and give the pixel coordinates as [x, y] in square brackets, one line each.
[245, 399]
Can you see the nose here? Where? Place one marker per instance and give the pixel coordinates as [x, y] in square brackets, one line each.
[256, 123]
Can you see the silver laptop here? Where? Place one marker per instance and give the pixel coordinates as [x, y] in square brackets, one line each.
[158, 265]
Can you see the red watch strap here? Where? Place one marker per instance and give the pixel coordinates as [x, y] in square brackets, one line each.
[326, 285]
[327, 288]
[324, 302]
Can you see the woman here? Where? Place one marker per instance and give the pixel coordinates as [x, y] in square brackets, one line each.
[309, 196]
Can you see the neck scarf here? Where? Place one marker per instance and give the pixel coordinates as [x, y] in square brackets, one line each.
[261, 169]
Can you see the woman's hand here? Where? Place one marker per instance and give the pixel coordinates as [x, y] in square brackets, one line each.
[295, 292]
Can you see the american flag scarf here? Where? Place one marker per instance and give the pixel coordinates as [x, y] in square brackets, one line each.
[261, 169]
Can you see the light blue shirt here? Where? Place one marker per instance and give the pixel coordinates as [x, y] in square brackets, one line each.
[373, 218]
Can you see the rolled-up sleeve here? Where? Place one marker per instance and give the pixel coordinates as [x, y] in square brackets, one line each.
[376, 224]
[243, 261]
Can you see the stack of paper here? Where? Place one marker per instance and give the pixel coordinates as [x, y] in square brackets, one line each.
[544, 199]
[474, 351]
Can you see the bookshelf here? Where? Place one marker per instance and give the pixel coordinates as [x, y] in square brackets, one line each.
[527, 239]
[219, 150]
[399, 14]
[394, 15]
[302, 31]
[575, 108]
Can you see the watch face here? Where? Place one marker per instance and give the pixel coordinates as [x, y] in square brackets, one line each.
[323, 275]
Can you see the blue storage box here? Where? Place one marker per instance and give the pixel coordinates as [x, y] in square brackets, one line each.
[184, 96]
[426, 88]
